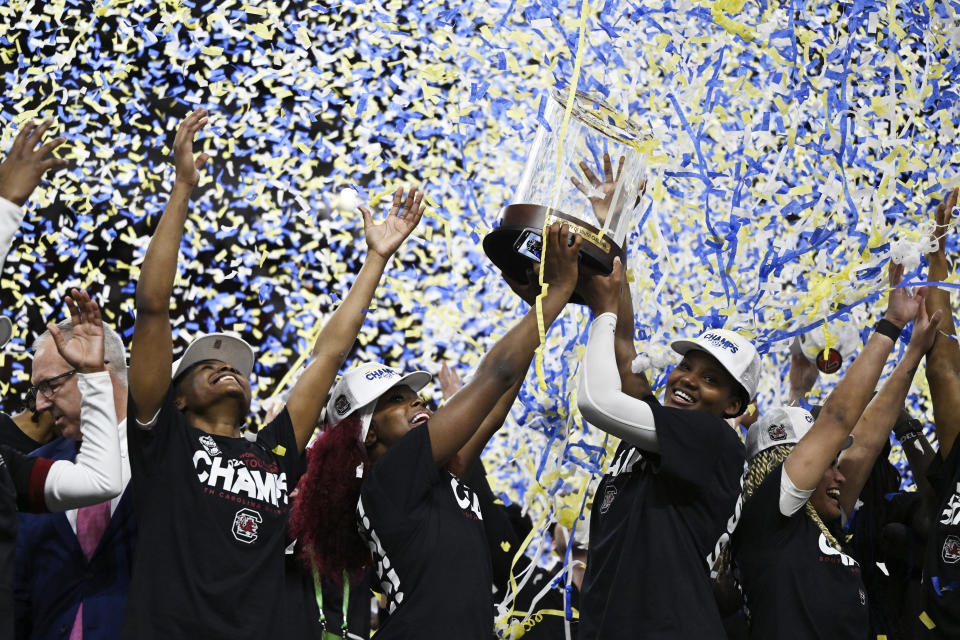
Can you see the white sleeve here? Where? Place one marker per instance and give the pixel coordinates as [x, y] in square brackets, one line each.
[96, 475]
[791, 498]
[600, 398]
[11, 216]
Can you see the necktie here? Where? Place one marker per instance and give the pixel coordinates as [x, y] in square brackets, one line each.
[91, 522]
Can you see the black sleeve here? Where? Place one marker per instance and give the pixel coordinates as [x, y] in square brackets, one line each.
[279, 438]
[761, 516]
[400, 479]
[693, 444]
[29, 475]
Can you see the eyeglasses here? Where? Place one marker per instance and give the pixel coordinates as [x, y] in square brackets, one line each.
[46, 388]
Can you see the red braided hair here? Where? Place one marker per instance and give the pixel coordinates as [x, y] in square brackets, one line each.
[324, 515]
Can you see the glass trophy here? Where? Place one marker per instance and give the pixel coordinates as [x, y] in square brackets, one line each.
[587, 174]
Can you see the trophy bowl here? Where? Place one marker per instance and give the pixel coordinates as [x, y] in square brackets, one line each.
[589, 177]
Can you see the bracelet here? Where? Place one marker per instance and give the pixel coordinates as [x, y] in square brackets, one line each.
[887, 328]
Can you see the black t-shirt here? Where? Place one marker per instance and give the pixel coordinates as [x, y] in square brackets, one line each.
[211, 514]
[21, 488]
[13, 437]
[502, 538]
[882, 532]
[655, 519]
[425, 531]
[796, 585]
[941, 566]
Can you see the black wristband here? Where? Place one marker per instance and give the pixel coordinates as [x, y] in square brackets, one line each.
[908, 437]
[908, 430]
[887, 328]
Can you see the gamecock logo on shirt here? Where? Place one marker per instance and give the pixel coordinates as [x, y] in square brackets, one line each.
[951, 550]
[209, 445]
[608, 497]
[246, 525]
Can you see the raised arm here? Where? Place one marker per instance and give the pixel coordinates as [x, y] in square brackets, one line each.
[601, 394]
[943, 360]
[151, 350]
[338, 335]
[873, 428]
[507, 362]
[634, 383]
[20, 173]
[803, 375]
[919, 454]
[819, 447]
[470, 452]
[96, 474]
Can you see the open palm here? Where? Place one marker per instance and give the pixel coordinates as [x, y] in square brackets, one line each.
[188, 167]
[84, 350]
[385, 237]
[599, 193]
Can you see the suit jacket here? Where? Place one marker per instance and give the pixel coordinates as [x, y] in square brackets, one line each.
[53, 575]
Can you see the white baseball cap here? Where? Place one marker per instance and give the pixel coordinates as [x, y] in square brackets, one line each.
[6, 330]
[737, 355]
[225, 347]
[359, 389]
[782, 425]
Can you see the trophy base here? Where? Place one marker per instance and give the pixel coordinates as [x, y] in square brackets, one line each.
[515, 245]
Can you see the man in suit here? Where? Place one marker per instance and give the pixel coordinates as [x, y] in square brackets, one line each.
[73, 568]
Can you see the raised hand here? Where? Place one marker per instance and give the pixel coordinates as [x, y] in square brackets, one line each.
[84, 350]
[21, 170]
[925, 328]
[188, 167]
[449, 381]
[602, 291]
[902, 307]
[561, 261]
[384, 238]
[599, 193]
[938, 259]
[526, 290]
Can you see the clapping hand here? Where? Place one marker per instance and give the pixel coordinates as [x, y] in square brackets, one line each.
[188, 167]
[21, 170]
[902, 307]
[84, 350]
[384, 238]
[925, 328]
